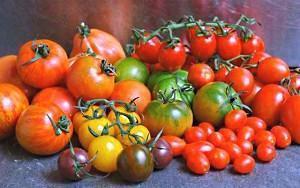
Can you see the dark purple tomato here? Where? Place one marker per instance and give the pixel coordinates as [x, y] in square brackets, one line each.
[162, 154]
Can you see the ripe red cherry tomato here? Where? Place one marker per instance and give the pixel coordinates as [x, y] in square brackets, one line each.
[235, 119]
[148, 51]
[282, 135]
[207, 127]
[228, 134]
[266, 152]
[241, 79]
[218, 158]
[194, 134]
[229, 46]
[264, 136]
[247, 99]
[272, 70]
[221, 74]
[254, 44]
[256, 59]
[203, 47]
[246, 133]
[196, 147]
[232, 149]
[200, 74]
[244, 164]
[198, 164]
[216, 139]
[172, 58]
[256, 123]
[246, 146]
[177, 144]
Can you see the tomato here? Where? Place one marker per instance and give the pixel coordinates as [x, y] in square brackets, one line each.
[256, 59]
[228, 134]
[246, 146]
[256, 124]
[266, 152]
[244, 164]
[131, 69]
[12, 103]
[128, 90]
[218, 158]
[216, 139]
[268, 102]
[106, 150]
[282, 135]
[203, 47]
[235, 119]
[295, 81]
[213, 101]
[174, 117]
[198, 164]
[96, 125]
[9, 74]
[162, 154]
[59, 96]
[272, 70]
[264, 136]
[241, 79]
[194, 134]
[221, 74]
[193, 149]
[43, 129]
[249, 97]
[252, 45]
[232, 149]
[246, 133]
[157, 77]
[189, 61]
[200, 74]
[46, 71]
[172, 58]
[156, 68]
[135, 163]
[149, 51]
[229, 46]
[138, 134]
[207, 127]
[100, 42]
[290, 118]
[177, 144]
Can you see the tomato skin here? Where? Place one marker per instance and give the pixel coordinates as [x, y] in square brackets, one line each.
[218, 158]
[59, 96]
[148, 51]
[266, 152]
[241, 79]
[216, 138]
[203, 47]
[35, 132]
[221, 74]
[232, 149]
[228, 134]
[194, 134]
[193, 149]
[244, 164]
[189, 61]
[172, 58]
[246, 146]
[229, 46]
[162, 154]
[198, 164]
[256, 59]
[264, 136]
[268, 102]
[254, 44]
[207, 127]
[257, 124]
[282, 135]
[177, 144]
[272, 70]
[200, 74]
[45, 72]
[248, 98]
[235, 119]
[12, 103]
[246, 133]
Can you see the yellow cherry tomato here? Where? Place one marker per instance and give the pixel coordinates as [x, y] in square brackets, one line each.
[97, 125]
[106, 149]
[141, 133]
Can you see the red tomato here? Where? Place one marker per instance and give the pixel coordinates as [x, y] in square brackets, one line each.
[198, 164]
[246, 146]
[190, 60]
[244, 164]
[12, 103]
[248, 98]
[282, 135]
[256, 59]
[268, 102]
[232, 149]
[228, 134]
[59, 96]
[148, 51]
[127, 90]
[235, 119]
[194, 134]
[207, 127]
[241, 79]
[246, 133]
[156, 68]
[177, 144]
[295, 81]
[200, 74]
[264, 136]
[196, 147]
[203, 47]
[266, 152]
[216, 139]
[272, 70]
[221, 74]
[256, 123]
[172, 58]
[218, 158]
[36, 133]
[254, 44]
[229, 46]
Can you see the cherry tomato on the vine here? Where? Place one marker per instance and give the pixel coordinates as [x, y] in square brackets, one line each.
[203, 47]
[148, 51]
[248, 98]
[229, 46]
[254, 44]
[200, 74]
[255, 60]
[221, 74]
[241, 79]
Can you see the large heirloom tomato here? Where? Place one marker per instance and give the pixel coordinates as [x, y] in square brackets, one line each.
[42, 63]
[90, 78]
[12, 103]
[213, 101]
[43, 129]
[100, 42]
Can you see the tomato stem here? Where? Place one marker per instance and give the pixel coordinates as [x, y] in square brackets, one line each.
[83, 29]
[40, 50]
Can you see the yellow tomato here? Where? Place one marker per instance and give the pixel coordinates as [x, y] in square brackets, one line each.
[78, 118]
[97, 125]
[141, 133]
[107, 149]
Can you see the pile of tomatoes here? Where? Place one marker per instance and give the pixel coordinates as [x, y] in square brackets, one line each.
[135, 114]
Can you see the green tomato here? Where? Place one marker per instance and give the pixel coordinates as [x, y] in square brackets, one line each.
[182, 74]
[131, 69]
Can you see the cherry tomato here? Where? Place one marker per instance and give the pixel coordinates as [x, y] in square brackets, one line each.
[241, 79]
[282, 135]
[256, 124]
[207, 127]
[246, 146]
[221, 74]
[229, 46]
[228, 134]
[198, 164]
[272, 70]
[254, 44]
[216, 139]
[203, 47]
[235, 119]
[200, 74]
[189, 61]
[248, 98]
[196, 147]
[162, 154]
[295, 81]
[264, 136]
[148, 51]
[244, 164]
[194, 134]
[266, 152]
[246, 133]
[138, 134]
[177, 144]
[255, 60]
[218, 158]
[232, 149]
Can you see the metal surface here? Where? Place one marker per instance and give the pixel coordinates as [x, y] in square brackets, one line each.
[23, 20]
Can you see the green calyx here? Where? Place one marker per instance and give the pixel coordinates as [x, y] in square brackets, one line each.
[40, 51]
[62, 125]
[83, 29]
